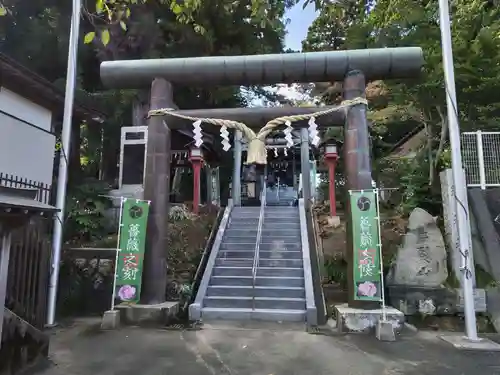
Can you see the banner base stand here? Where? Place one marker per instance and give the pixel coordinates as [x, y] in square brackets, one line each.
[110, 320]
[147, 315]
[385, 331]
[352, 320]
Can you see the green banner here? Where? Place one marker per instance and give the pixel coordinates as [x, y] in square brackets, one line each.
[131, 245]
[366, 245]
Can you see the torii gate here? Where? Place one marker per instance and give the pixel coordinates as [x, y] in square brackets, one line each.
[352, 67]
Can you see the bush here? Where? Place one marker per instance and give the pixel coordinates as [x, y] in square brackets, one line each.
[86, 206]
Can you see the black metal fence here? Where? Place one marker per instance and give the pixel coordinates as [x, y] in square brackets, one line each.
[44, 190]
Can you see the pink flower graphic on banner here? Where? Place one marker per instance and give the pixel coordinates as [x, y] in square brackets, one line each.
[367, 289]
[126, 292]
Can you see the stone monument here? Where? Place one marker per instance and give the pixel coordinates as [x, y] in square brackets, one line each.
[415, 282]
[421, 260]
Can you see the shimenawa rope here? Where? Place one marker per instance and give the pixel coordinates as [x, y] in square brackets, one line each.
[256, 147]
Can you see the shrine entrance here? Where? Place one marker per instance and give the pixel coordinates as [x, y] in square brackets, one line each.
[236, 282]
[281, 176]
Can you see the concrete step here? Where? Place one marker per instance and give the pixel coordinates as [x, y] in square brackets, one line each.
[281, 263]
[279, 281]
[280, 239]
[286, 254]
[273, 315]
[279, 245]
[236, 302]
[284, 272]
[268, 245]
[259, 281]
[232, 271]
[254, 221]
[280, 232]
[258, 291]
[285, 231]
[236, 254]
[237, 240]
[279, 303]
[275, 225]
[245, 209]
[239, 302]
[234, 262]
[241, 232]
[248, 271]
[248, 262]
[282, 219]
[231, 280]
[229, 245]
[274, 254]
[242, 225]
[291, 238]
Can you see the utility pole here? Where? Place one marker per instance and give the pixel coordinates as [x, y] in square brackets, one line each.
[457, 171]
[63, 160]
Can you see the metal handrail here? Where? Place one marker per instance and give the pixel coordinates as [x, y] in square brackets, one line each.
[257, 242]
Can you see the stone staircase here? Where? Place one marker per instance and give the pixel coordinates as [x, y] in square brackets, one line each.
[263, 282]
[282, 196]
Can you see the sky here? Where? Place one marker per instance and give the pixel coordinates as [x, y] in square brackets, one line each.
[300, 20]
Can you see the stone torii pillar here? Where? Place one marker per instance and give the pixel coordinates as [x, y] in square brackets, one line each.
[157, 190]
[358, 170]
[383, 63]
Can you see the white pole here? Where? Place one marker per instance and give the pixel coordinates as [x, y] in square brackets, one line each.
[480, 159]
[118, 250]
[457, 171]
[379, 239]
[63, 160]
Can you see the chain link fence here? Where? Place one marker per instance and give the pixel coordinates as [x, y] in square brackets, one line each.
[481, 158]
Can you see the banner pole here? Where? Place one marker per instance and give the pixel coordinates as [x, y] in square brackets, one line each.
[382, 281]
[122, 200]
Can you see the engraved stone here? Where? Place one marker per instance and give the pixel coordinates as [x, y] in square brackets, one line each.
[421, 260]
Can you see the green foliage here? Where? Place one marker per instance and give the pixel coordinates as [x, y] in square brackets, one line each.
[179, 213]
[398, 107]
[416, 189]
[36, 33]
[187, 237]
[336, 271]
[86, 205]
[411, 176]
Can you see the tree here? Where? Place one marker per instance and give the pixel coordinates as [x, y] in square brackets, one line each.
[36, 32]
[109, 16]
[421, 101]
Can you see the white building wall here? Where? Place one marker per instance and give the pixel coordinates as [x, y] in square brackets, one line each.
[26, 151]
[24, 109]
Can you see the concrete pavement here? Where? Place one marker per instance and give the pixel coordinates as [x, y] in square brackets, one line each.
[235, 349]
